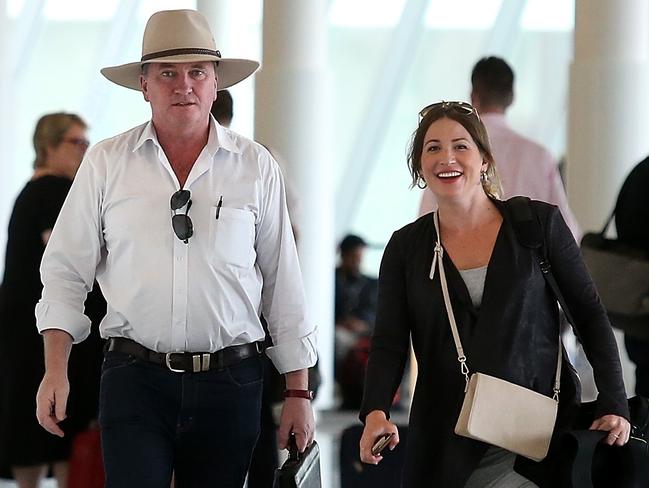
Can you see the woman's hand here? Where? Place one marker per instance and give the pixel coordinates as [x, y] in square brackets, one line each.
[618, 428]
[376, 425]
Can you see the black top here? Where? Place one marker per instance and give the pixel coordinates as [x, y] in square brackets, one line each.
[35, 211]
[22, 440]
[632, 208]
[514, 336]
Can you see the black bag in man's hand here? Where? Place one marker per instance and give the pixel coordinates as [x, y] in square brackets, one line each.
[300, 470]
[621, 275]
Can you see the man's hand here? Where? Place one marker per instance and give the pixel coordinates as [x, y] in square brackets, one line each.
[51, 400]
[52, 396]
[297, 414]
[297, 417]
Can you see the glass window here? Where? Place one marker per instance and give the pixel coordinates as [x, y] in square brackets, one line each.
[549, 15]
[462, 14]
[74, 10]
[365, 13]
[149, 7]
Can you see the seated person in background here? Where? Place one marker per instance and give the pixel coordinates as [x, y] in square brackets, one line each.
[356, 296]
[355, 292]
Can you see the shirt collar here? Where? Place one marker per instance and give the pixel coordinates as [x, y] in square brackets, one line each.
[218, 137]
[494, 118]
[148, 133]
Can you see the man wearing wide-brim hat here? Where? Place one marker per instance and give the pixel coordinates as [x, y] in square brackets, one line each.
[184, 225]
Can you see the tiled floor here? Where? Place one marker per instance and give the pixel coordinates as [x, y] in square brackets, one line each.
[330, 425]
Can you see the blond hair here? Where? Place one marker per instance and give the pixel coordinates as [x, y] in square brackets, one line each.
[50, 131]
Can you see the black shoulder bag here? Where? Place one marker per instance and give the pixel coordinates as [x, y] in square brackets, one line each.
[621, 273]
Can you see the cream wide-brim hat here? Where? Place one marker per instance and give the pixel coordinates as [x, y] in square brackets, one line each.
[180, 36]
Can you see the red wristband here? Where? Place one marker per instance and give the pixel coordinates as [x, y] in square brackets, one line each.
[307, 394]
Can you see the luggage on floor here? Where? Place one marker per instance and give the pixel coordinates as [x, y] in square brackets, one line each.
[86, 468]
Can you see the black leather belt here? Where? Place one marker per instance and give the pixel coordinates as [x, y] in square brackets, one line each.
[183, 362]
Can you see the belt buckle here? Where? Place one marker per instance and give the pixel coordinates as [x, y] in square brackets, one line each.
[168, 363]
[201, 362]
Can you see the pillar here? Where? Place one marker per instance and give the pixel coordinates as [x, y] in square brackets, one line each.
[7, 184]
[608, 104]
[218, 13]
[291, 116]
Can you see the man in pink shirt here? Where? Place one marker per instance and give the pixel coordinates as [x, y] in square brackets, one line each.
[525, 167]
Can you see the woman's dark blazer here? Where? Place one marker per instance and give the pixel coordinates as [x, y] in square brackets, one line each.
[514, 335]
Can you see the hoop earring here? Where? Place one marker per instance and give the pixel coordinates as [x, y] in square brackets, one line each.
[421, 183]
[484, 177]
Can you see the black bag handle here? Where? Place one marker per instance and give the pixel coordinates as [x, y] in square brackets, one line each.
[607, 224]
[293, 451]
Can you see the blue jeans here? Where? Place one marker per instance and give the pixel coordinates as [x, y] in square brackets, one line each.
[202, 426]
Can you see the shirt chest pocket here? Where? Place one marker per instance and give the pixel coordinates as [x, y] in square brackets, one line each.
[232, 237]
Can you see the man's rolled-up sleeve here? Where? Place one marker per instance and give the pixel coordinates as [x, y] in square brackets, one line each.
[283, 299]
[71, 256]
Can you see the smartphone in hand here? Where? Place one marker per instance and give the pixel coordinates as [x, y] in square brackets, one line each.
[381, 443]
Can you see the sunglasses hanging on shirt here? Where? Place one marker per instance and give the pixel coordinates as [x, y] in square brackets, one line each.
[181, 223]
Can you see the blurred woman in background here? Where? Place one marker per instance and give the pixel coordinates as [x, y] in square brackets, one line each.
[25, 448]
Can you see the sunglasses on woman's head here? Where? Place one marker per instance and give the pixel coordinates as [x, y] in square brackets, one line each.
[181, 223]
[460, 107]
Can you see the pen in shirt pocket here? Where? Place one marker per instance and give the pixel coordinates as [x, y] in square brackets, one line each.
[218, 207]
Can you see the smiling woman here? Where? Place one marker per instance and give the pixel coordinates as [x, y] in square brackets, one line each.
[506, 317]
[450, 157]
[460, 124]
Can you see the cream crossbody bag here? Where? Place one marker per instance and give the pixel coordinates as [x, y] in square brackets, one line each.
[496, 411]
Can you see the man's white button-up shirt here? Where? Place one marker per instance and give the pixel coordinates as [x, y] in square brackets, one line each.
[167, 295]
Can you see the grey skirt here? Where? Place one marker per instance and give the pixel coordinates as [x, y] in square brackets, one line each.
[496, 470]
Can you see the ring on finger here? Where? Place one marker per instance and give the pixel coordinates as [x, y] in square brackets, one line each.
[617, 436]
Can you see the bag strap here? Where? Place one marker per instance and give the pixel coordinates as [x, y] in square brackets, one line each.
[461, 357]
[530, 234]
[583, 443]
[608, 223]
[437, 259]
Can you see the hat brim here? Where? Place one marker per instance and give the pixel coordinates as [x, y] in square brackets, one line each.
[229, 72]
